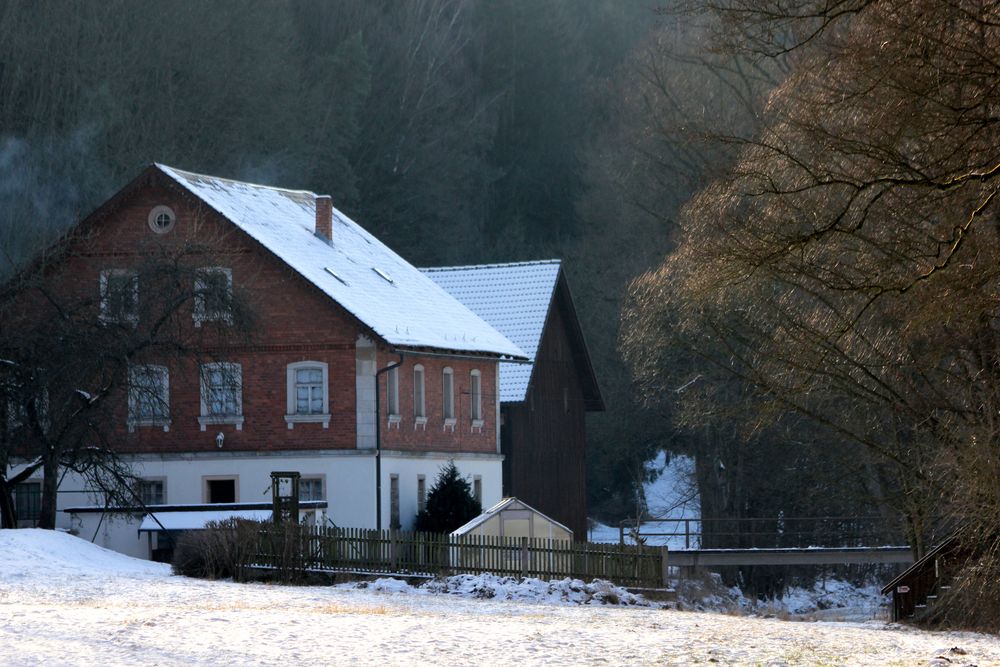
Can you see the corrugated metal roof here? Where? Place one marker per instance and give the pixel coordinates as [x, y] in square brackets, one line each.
[393, 298]
[515, 299]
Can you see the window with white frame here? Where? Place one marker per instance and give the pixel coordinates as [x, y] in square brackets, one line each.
[213, 295]
[221, 394]
[476, 398]
[119, 296]
[152, 491]
[448, 395]
[308, 385]
[311, 488]
[148, 396]
[419, 405]
[392, 394]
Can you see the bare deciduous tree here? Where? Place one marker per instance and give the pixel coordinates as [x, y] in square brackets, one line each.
[846, 267]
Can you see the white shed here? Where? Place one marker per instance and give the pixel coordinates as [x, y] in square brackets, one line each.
[514, 518]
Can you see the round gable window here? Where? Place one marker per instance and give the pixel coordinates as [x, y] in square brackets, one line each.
[162, 219]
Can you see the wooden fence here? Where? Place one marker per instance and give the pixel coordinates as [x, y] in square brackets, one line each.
[398, 552]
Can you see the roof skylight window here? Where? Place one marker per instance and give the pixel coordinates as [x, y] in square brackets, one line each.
[334, 274]
[384, 275]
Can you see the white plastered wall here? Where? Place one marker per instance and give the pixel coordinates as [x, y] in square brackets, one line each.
[348, 485]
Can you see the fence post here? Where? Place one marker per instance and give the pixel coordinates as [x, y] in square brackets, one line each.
[394, 549]
[524, 557]
[664, 575]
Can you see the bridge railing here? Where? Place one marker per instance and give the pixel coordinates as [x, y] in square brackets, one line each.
[764, 532]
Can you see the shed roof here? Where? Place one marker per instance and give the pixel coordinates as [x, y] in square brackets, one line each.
[516, 298]
[510, 503]
[382, 290]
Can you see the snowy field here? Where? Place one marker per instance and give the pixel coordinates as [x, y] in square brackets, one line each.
[64, 601]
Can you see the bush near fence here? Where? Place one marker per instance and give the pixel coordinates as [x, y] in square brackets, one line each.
[314, 548]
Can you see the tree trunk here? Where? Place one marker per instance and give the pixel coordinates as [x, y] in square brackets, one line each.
[7, 516]
[50, 485]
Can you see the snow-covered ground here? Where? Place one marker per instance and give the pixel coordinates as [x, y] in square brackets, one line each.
[64, 601]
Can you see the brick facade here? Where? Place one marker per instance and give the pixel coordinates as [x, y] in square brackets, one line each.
[292, 321]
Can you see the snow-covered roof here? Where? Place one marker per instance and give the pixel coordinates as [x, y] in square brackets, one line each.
[505, 504]
[381, 289]
[515, 299]
[197, 520]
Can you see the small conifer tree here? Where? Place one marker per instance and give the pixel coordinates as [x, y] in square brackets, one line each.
[450, 503]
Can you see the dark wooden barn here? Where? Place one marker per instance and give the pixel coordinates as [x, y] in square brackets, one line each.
[543, 404]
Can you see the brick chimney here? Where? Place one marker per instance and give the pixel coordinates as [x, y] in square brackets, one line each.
[324, 217]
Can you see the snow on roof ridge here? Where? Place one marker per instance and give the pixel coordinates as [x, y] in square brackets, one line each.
[195, 174]
[501, 265]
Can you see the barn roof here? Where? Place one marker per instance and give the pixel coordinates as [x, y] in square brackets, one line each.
[391, 297]
[517, 298]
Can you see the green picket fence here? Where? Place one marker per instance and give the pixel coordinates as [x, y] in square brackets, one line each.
[417, 553]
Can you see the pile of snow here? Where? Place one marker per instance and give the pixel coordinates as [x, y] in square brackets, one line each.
[491, 586]
[32, 551]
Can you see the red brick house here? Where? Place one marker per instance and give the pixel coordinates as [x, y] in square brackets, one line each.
[333, 307]
[543, 404]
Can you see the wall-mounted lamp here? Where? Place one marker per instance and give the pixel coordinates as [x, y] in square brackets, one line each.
[219, 439]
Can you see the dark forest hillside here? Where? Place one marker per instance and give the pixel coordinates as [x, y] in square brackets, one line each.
[458, 131]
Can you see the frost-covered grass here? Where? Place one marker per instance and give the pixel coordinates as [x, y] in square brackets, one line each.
[64, 601]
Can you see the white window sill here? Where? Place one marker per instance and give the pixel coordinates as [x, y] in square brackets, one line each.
[421, 422]
[450, 423]
[235, 420]
[292, 420]
[477, 423]
[395, 419]
[142, 423]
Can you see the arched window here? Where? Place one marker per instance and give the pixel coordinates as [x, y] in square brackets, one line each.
[419, 404]
[476, 398]
[392, 394]
[448, 395]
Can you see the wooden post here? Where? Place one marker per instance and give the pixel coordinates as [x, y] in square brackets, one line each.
[524, 557]
[394, 549]
[663, 566]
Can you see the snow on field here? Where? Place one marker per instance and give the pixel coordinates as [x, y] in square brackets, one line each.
[64, 601]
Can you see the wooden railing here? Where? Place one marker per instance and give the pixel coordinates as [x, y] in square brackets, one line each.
[415, 553]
